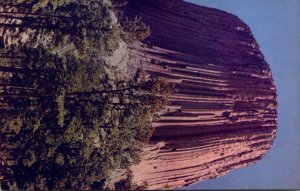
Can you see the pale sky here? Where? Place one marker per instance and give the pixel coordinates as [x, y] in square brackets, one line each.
[276, 27]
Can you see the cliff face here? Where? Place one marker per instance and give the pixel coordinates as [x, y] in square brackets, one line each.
[222, 115]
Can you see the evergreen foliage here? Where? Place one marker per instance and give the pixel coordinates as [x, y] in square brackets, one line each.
[66, 123]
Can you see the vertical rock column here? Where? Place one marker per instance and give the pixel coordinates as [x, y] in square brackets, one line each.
[222, 115]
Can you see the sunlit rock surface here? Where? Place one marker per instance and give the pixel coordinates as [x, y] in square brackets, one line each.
[223, 114]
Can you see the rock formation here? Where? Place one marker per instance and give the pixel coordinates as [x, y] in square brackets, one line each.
[222, 115]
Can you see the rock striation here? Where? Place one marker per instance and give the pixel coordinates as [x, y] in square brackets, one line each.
[223, 113]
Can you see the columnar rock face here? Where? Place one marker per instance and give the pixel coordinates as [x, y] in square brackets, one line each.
[222, 115]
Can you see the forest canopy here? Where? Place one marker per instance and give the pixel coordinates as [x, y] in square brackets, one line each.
[67, 118]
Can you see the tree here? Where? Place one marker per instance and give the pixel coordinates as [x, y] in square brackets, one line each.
[134, 29]
[66, 123]
[71, 139]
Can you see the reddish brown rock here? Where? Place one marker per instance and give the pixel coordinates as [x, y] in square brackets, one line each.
[223, 114]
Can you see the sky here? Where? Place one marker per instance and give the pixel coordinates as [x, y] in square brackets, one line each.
[275, 25]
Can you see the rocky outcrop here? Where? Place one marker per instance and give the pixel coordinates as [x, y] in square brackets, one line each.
[222, 115]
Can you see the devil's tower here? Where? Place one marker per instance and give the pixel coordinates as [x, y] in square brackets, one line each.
[222, 115]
